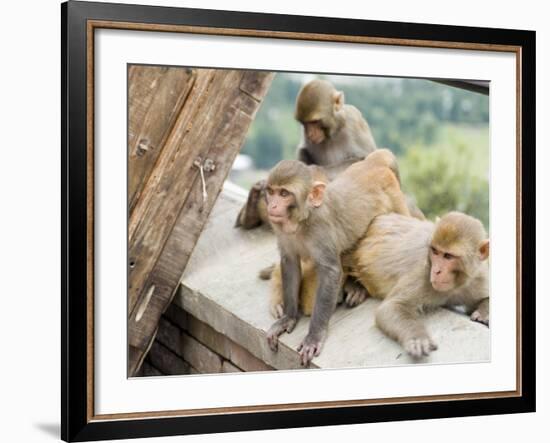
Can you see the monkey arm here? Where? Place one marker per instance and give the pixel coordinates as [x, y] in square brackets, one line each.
[400, 321]
[480, 312]
[251, 214]
[304, 156]
[292, 276]
[330, 277]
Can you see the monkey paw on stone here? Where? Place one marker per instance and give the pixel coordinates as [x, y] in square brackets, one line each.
[418, 347]
[354, 293]
[310, 347]
[480, 317]
[284, 324]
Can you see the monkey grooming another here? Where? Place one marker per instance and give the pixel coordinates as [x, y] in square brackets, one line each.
[318, 222]
[417, 265]
[335, 135]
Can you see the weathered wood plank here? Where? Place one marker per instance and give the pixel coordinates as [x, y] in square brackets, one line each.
[166, 361]
[228, 367]
[200, 357]
[156, 95]
[170, 336]
[171, 211]
[176, 315]
[148, 370]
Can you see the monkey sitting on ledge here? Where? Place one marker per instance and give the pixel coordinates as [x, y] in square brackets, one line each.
[414, 266]
[335, 135]
[317, 222]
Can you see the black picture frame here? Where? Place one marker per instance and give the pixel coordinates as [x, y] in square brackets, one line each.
[77, 423]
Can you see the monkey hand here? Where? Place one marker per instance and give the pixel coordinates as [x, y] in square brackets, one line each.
[420, 346]
[354, 293]
[258, 186]
[310, 347]
[480, 316]
[284, 324]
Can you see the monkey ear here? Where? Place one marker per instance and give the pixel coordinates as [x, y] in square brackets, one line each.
[484, 250]
[338, 100]
[317, 193]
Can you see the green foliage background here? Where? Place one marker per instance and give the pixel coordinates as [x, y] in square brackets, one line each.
[439, 133]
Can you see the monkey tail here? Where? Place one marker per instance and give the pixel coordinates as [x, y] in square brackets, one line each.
[265, 273]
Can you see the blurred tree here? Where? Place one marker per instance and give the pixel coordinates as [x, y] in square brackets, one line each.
[447, 178]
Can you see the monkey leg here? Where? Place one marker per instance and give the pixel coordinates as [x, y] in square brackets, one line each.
[308, 288]
[250, 216]
[276, 303]
[354, 292]
[481, 312]
[400, 322]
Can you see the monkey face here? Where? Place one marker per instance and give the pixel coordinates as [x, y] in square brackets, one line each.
[314, 132]
[280, 203]
[444, 270]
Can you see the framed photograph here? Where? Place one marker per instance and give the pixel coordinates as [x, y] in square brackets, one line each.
[275, 221]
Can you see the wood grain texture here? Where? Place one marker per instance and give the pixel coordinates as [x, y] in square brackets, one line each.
[155, 97]
[166, 220]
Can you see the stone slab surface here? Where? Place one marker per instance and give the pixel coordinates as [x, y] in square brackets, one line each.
[220, 286]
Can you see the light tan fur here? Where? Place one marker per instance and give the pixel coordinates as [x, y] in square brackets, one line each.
[382, 164]
[393, 262]
[322, 222]
[348, 139]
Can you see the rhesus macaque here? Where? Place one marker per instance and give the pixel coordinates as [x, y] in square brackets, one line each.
[318, 222]
[335, 135]
[353, 293]
[417, 265]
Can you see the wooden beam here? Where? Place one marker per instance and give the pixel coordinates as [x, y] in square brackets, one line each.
[171, 210]
[155, 97]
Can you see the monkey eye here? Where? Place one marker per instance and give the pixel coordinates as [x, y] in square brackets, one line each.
[448, 256]
[284, 193]
[269, 191]
[434, 251]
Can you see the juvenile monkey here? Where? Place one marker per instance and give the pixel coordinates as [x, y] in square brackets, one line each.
[318, 222]
[414, 266]
[353, 292]
[335, 135]
[417, 265]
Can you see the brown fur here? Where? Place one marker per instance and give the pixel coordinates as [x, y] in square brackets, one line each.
[348, 135]
[349, 139]
[320, 227]
[393, 262]
[381, 160]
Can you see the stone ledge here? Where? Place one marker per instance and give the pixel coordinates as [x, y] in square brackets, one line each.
[221, 288]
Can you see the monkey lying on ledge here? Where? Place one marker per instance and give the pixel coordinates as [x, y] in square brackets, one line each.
[413, 266]
[318, 222]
